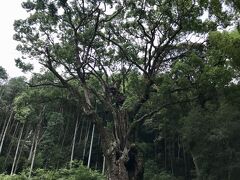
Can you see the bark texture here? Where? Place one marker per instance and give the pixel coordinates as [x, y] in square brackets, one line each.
[128, 166]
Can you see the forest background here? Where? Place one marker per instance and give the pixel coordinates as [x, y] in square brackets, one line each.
[132, 89]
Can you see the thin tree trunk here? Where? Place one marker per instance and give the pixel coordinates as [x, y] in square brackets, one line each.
[90, 149]
[21, 149]
[11, 125]
[185, 163]
[86, 140]
[11, 145]
[97, 158]
[2, 92]
[3, 128]
[32, 146]
[230, 167]
[64, 135]
[73, 142]
[63, 140]
[179, 148]
[173, 156]
[36, 142]
[60, 131]
[194, 158]
[103, 166]
[18, 159]
[5, 131]
[15, 130]
[165, 149]
[16, 153]
[34, 152]
[81, 132]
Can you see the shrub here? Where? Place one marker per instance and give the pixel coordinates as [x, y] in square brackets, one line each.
[78, 172]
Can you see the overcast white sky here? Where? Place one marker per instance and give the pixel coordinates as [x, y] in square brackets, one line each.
[10, 10]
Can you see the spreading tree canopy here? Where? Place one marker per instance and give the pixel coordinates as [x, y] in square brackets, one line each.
[95, 48]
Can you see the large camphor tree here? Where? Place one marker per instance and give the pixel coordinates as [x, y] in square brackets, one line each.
[93, 46]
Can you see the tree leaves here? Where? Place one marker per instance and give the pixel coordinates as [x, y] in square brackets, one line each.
[3, 74]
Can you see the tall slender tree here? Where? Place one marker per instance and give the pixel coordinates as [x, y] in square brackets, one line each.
[74, 141]
[90, 148]
[5, 130]
[17, 150]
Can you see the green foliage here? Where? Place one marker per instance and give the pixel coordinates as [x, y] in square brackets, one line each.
[23, 66]
[79, 172]
[15, 86]
[210, 134]
[146, 52]
[225, 46]
[22, 107]
[134, 89]
[3, 74]
[152, 172]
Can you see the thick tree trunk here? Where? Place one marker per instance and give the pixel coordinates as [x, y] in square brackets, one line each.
[123, 161]
[129, 166]
[116, 170]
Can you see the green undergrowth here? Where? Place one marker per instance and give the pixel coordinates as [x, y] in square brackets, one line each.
[78, 172]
